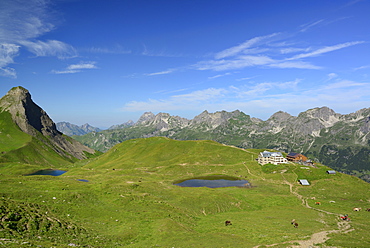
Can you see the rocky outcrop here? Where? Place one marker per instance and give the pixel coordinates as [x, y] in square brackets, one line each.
[33, 120]
[145, 118]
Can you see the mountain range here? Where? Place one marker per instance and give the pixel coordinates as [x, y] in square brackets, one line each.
[339, 141]
[72, 129]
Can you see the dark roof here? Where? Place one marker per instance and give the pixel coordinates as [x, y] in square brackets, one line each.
[293, 154]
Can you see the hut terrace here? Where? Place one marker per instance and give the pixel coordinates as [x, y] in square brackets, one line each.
[275, 158]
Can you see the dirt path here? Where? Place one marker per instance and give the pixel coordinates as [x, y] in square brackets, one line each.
[316, 238]
[250, 173]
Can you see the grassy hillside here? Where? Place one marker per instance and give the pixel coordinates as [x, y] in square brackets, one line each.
[11, 137]
[17, 146]
[130, 200]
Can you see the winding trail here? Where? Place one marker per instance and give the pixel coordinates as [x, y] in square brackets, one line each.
[316, 238]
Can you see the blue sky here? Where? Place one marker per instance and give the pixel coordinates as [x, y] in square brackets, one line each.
[106, 62]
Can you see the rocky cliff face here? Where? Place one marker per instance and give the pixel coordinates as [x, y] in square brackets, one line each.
[33, 120]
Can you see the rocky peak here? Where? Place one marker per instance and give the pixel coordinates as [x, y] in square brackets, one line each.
[279, 116]
[324, 115]
[15, 95]
[146, 117]
[26, 114]
[32, 120]
[215, 119]
[164, 121]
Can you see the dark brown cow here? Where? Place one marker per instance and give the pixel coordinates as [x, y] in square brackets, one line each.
[368, 209]
[228, 223]
[295, 224]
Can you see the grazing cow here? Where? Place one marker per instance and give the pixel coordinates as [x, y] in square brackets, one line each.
[356, 209]
[368, 209]
[228, 223]
[295, 224]
[318, 203]
[345, 217]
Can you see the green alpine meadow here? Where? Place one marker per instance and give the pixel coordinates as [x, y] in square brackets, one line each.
[128, 196]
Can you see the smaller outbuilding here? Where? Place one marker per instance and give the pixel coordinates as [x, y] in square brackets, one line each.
[296, 157]
[304, 182]
[331, 171]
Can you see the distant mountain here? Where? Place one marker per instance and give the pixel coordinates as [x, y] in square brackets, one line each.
[339, 141]
[124, 125]
[30, 136]
[72, 129]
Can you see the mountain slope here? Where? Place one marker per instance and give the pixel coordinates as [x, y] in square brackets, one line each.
[27, 133]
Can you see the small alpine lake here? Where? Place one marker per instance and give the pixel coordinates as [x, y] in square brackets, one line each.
[214, 181]
[47, 172]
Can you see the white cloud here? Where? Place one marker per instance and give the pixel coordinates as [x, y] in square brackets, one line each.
[294, 64]
[243, 79]
[23, 19]
[293, 50]
[307, 26]
[362, 67]
[22, 22]
[65, 71]
[247, 55]
[219, 75]
[8, 72]
[7, 53]
[262, 99]
[112, 50]
[264, 89]
[331, 76]
[231, 64]
[161, 72]
[232, 51]
[326, 50]
[75, 68]
[200, 95]
[193, 100]
[344, 84]
[50, 48]
[83, 65]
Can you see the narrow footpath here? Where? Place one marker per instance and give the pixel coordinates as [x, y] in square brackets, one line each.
[316, 238]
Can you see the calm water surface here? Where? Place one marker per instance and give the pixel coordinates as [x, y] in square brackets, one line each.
[218, 181]
[48, 172]
[82, 180]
